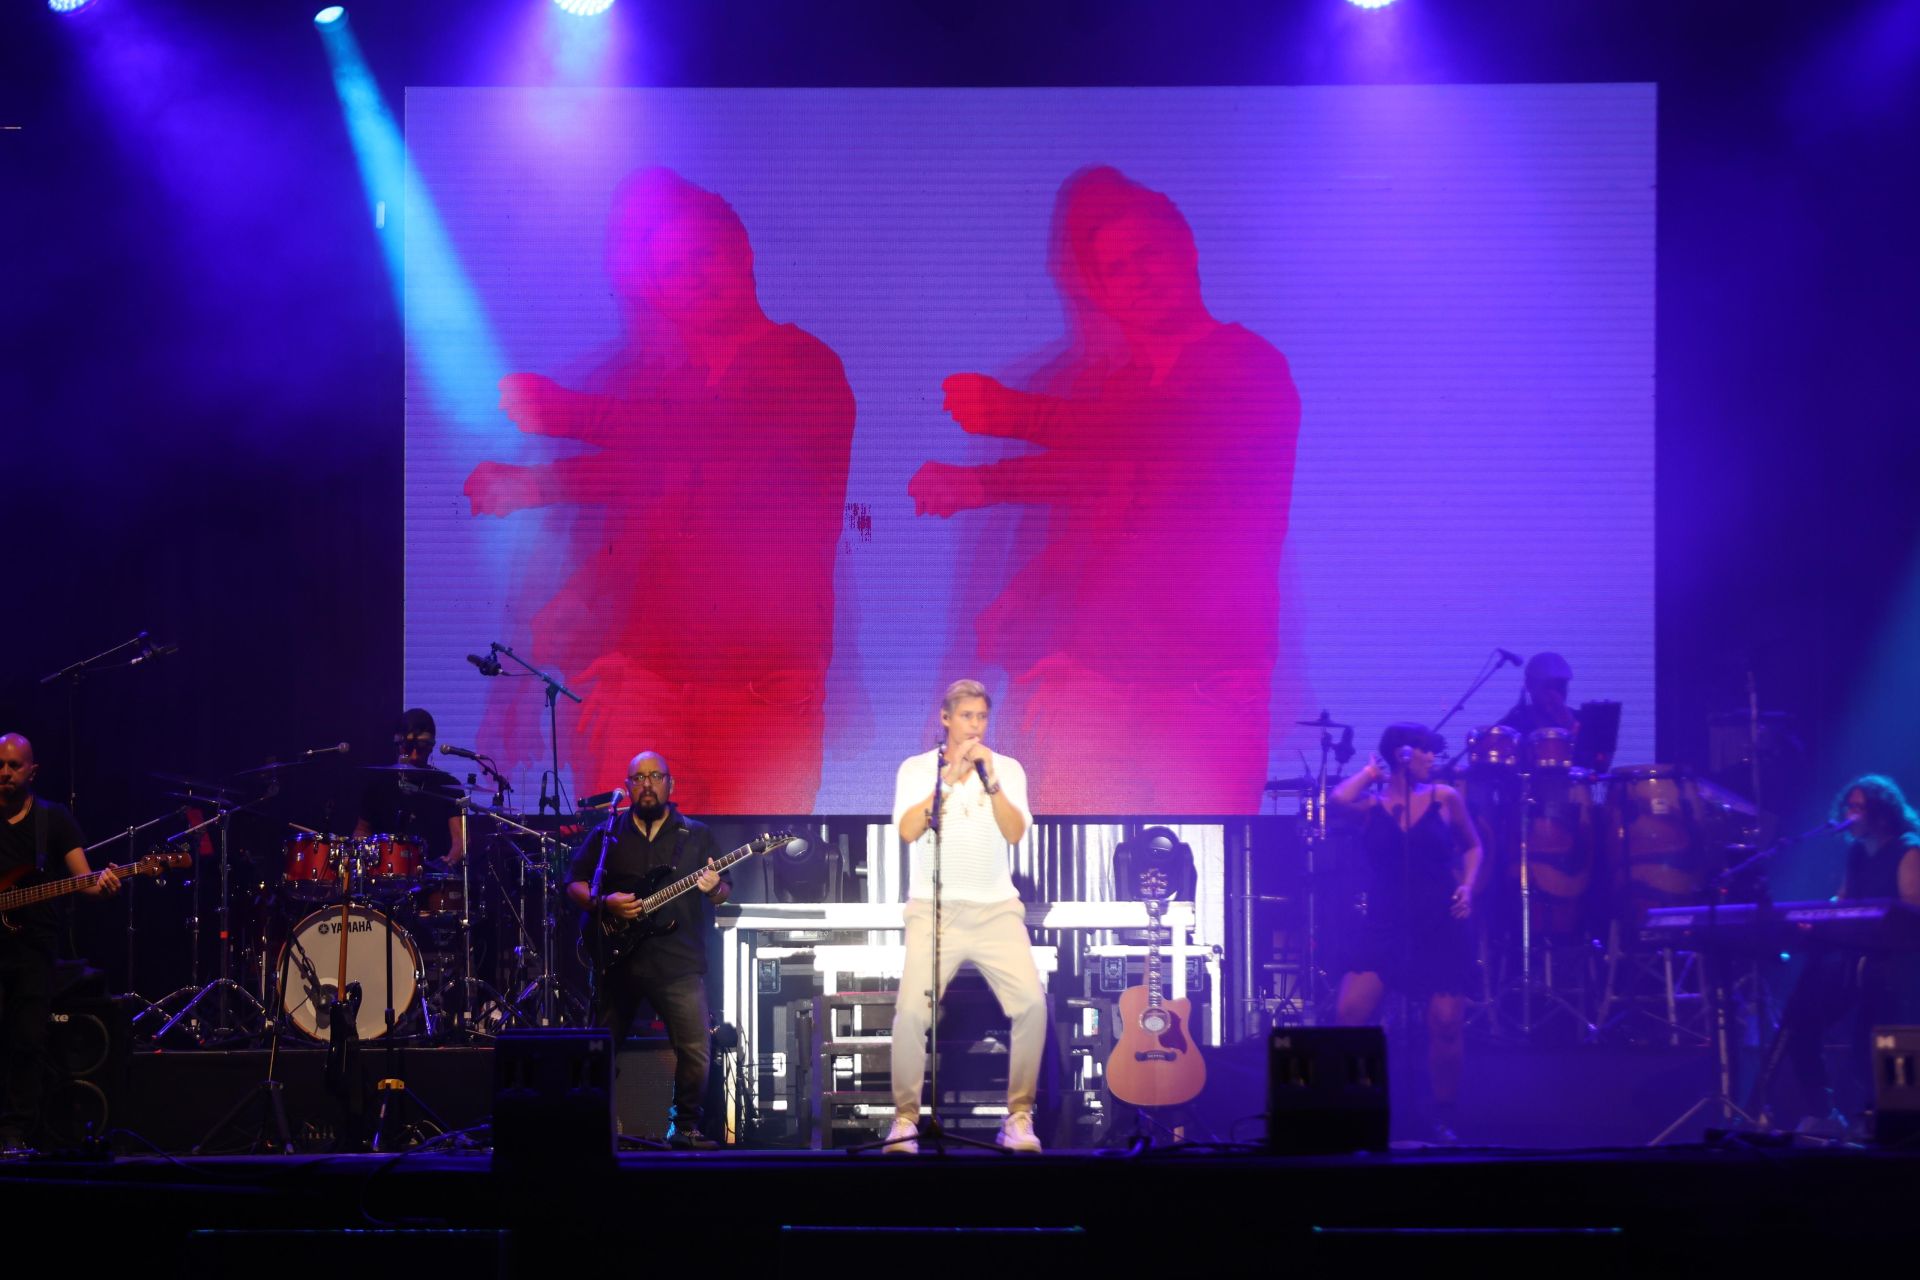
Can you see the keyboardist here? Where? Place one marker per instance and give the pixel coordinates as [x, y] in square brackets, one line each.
[1882, 862]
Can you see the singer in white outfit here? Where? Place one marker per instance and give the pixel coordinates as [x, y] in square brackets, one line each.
[983, 810]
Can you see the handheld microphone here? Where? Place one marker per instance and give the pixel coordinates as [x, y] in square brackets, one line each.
[488, 666]
[339, 747]
[1508, 655]
[980, 767]
[448, 749]
[1841, 824]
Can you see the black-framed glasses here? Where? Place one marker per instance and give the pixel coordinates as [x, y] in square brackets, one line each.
[652, 779]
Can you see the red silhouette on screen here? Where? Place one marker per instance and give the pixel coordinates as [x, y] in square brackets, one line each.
[697, 607]
[1147, 610]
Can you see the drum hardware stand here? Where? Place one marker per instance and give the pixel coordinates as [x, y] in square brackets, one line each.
[547, 984]
[468, 983]
[225, 982]
[554, 690]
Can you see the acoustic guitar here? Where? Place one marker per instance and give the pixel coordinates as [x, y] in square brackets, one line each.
[1155, 1063]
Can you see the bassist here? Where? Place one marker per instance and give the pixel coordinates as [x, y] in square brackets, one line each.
[667, 969]
[40, 836]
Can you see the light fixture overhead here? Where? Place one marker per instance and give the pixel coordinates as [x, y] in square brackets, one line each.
[584, 8]
[329, 15]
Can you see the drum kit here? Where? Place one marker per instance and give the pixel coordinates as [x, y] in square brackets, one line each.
[338, 908]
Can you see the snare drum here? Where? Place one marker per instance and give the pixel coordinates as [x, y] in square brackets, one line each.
[1550, 749]
[311, 960]
[310, 866]
[1654, 837]
[391, 865]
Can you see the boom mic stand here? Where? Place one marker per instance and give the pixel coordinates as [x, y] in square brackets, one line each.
[554, 691]
[74, 674]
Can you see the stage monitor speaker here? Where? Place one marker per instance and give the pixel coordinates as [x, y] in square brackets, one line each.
[89, 1042]
[1326, 1090]
[643, 1087]
[553, 1101]
[1896, 1085]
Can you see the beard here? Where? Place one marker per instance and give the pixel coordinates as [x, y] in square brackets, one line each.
[650, 813]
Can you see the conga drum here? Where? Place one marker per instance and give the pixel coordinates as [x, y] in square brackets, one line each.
[1654, 843]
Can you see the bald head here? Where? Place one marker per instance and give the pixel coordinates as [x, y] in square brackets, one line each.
[649, 781]
[16, 769]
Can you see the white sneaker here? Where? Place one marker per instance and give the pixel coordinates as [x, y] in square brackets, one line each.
[903, 1138]
[1016, 1133]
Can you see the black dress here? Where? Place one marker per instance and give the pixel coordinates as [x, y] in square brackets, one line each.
[1410, 937]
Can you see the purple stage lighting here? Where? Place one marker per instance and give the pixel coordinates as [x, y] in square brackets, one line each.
[584, 8]
[329, 15]
[68, 6]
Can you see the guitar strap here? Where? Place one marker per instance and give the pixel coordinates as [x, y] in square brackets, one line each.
[39, 836]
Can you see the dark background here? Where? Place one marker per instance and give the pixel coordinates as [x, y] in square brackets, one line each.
[200, 398]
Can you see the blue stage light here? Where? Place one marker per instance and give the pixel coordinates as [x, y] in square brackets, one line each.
[1369, 4]
[68, 6]
[584, 8]
[329, 15]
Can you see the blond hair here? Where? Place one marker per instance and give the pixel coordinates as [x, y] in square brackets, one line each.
[964, 689]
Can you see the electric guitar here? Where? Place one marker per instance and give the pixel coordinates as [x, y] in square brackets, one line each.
[153, 864]
[1155, 1063]
[607, 939]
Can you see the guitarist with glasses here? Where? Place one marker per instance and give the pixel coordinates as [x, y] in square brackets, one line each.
[38, 840]
[667, 966]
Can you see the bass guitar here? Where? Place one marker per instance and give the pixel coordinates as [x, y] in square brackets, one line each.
[607, 939]
[12, 899]
[1155, 1063]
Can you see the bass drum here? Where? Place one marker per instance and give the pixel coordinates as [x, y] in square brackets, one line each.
[312, 959]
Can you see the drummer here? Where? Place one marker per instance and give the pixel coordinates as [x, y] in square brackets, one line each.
[1543, 701]
[421, 805]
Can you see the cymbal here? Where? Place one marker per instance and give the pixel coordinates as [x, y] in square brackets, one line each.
[274, 766]
[1301, 783]
[187, 782]
[401, 768]
[1722, 798]
[1324, 722]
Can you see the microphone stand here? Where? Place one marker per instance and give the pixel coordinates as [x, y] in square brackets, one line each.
[73, 674]
[554, 690]
[1475, 687]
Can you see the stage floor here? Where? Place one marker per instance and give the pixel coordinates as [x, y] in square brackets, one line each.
[273, 1214]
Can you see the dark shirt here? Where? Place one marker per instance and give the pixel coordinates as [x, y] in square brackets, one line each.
[1877, 875]
[413, 804]
[17, 849]
[681, 847]
[1410, 881]
[1524, 718]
